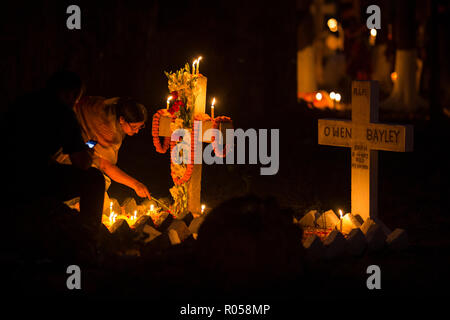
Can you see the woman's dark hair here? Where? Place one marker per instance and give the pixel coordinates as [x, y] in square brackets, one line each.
[131, 110]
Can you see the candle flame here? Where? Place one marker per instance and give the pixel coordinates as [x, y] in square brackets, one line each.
[373, 32]
[203, 207]
[332, 95]
[169, 98]
[332, 24]
[152, 207]
[213, 102]
[340, 213]
[198, 63]
[337, 97]
[318, 96]
[394, 76]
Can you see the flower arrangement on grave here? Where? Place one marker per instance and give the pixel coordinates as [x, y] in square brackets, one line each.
[184, 87]
[183, 90]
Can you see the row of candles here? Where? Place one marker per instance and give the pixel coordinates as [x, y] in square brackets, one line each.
[113, 215]
[334, 26]
[333, 96]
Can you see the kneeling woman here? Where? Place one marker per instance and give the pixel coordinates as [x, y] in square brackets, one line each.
[108, 121]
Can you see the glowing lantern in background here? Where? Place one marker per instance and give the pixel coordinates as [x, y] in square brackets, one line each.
[394, 76]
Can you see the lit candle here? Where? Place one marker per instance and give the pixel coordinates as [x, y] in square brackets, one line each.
[332, 95]
[203, 208]
[337, 97]
[373, 36]
[332, 24]
[198, 63]
[394, 76]
[193, 66]
[212, 108]
[168, 101]
[340, 213]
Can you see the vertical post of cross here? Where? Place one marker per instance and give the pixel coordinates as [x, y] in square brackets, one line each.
[364, 187]
[195, 183]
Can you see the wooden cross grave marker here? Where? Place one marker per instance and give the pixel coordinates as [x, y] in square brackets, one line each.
[365, 136]
[195, 182]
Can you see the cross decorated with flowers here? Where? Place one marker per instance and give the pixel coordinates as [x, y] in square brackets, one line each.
[186, 112]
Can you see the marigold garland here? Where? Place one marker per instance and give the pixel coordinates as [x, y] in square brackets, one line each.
[189, 167]
[216, 121]
[155, 132]
[194, 136]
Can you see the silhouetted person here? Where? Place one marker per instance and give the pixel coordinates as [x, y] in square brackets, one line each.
[249, 244]
[40, 125]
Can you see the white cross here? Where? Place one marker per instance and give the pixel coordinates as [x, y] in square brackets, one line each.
[365, 137]
[195, 183]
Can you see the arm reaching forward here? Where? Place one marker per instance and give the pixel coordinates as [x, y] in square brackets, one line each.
[116, 174]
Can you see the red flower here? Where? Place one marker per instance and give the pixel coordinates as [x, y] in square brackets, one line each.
[176, 106]
[174, 95]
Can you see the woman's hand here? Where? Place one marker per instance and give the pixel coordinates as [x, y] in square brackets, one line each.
[141, 190]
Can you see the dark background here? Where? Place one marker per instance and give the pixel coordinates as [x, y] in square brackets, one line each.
[249, 57]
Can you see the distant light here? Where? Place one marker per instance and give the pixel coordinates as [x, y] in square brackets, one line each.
[332, 24]
[337, 97]
[373, 32]
[394, 76]
[318, 96]
[332, 95]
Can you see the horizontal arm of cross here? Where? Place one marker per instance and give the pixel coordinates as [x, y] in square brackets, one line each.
[165, 131]
[376, 136]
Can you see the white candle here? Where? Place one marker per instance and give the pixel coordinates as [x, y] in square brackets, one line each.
[212, 108]
[373, 36]
[193, 66]
[198, 63]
